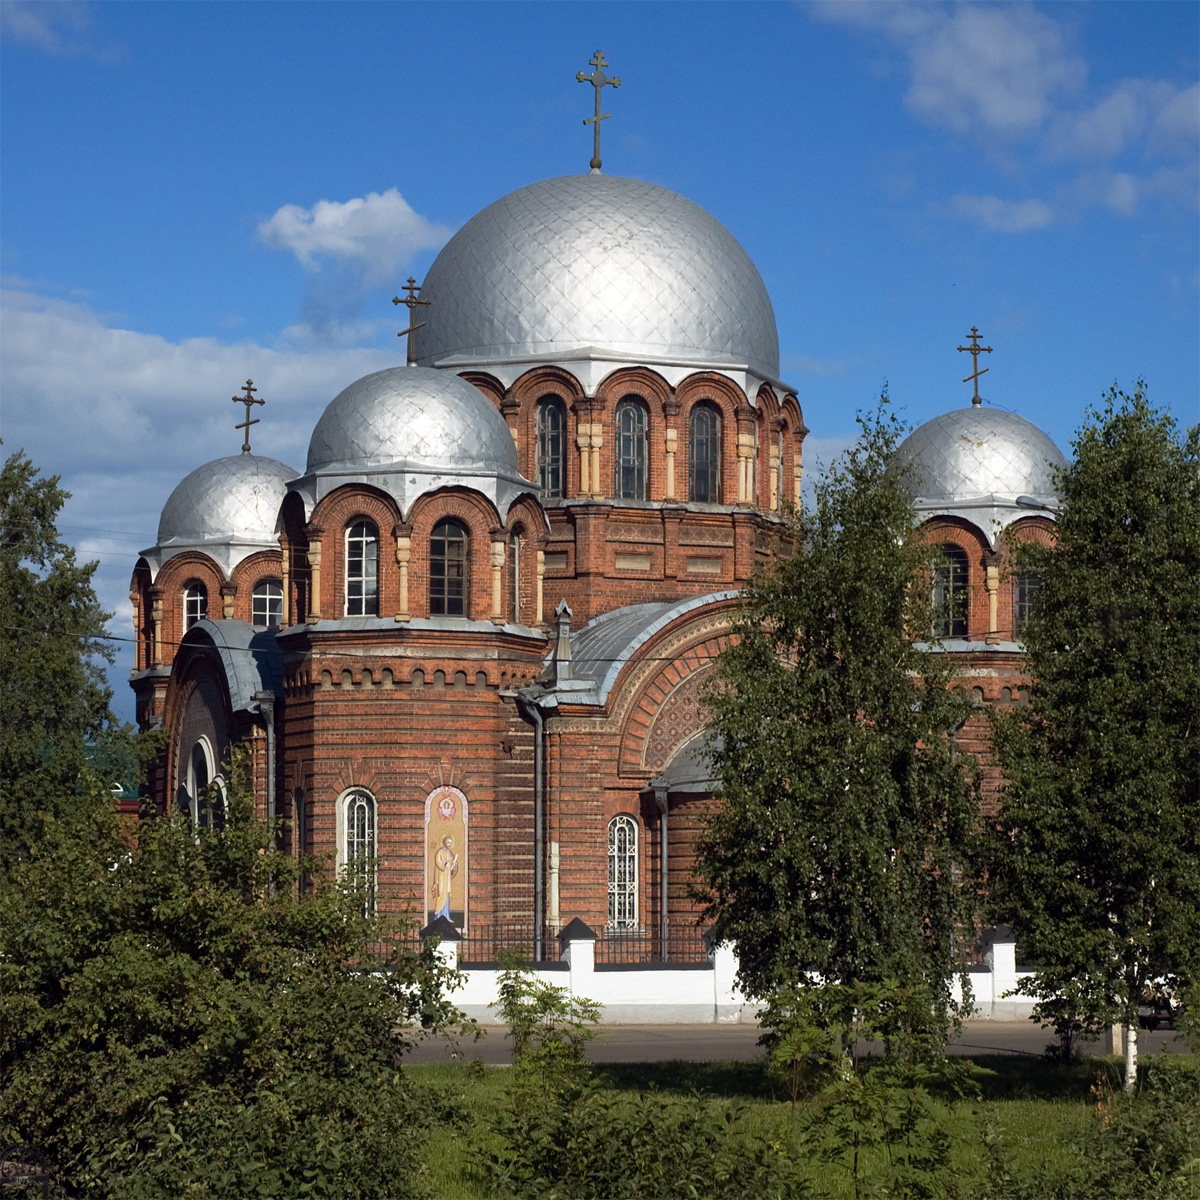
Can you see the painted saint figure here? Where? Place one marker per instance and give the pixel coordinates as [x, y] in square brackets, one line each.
[445, 867]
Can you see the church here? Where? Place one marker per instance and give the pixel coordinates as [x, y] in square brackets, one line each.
[465, 643]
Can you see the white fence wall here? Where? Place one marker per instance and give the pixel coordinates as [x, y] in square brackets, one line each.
[707, 994]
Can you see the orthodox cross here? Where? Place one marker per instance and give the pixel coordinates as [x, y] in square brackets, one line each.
[975, 350]
[248, 400]
[412, 304]
[598, 80]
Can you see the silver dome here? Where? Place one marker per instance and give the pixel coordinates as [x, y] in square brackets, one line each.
[412, 430]
[596, 262]
[984, 465]
[227, 508]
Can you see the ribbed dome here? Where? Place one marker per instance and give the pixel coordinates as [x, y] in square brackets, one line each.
[974, 452]
[234, 499]
[412, 418]
[597, 261]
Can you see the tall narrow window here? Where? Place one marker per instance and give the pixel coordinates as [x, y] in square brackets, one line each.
[195, 604]
[448, 570]
[205, 793]
[704, 454]
[516, 578]
[622, 873]
[630, 450]
[1025, 598]
[266, 606]
[551, 445]
[358, 845]
[950, 592]
[362, 570]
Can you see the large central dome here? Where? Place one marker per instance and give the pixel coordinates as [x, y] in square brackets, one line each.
[596, 262]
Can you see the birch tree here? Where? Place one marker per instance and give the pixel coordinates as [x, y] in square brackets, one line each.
[1095, 858]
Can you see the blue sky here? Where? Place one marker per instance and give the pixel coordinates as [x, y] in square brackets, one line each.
[196, 193]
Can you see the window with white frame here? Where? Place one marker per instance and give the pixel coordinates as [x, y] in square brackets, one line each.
[205, 789]
[630, 450]
[195, 603]
[266, 604]
[551, 445]
[622, 873]
[362, 570]
[358, 844]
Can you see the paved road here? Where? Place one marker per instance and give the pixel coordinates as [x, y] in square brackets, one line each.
[709, 1043]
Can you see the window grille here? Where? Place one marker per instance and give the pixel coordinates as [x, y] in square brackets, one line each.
[362, 570]
[1025, 598]
[266, 608]
[195, 604]
[950, 592]
[359, 847]
[551, 446]
[622, 873]
[448, 570]
[630, 451]
[704, 455]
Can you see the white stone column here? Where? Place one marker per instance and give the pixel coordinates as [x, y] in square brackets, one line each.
[403, 556]
[670, 446]
[539, 615]
[498, 582]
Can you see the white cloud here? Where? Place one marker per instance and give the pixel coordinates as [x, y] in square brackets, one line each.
[974, 68]
[1002, 216]
[62, 28]
[122, 416]
[1148, 116]
[375, 235]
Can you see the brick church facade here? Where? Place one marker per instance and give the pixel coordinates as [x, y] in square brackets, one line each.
[465, 646]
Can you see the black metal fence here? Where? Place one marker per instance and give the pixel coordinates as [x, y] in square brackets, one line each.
[504, 943]
[634, 947]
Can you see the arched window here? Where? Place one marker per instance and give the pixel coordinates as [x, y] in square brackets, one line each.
[622, 873]
[448, 570]
[362, 570]
[516, 576]
[551, 446]
[358, 844]
[630, 450]
[1024, 599]
[950, 592]
[195, 603]
[266, 607]
[204, 788]
[704, 454]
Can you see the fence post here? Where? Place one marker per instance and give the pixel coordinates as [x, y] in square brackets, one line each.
[578, 951]
[448, 938]
[1000, 955]
[727, 1000]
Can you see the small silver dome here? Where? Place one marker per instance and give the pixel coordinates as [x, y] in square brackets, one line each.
[409, 431]
[411, 416]
[984, 465]
[229, 499]
[227, 509]
[596, 262]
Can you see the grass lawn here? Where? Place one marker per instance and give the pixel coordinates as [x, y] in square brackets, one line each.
[1032, 1107]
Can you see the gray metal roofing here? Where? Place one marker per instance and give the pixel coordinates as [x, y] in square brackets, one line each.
[597, 261]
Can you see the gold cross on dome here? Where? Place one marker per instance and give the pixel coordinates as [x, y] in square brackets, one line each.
[248, 400]
[599, 81]
[975, 350]
[412, 304]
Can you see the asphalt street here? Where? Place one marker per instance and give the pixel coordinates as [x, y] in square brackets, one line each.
[711, 1043]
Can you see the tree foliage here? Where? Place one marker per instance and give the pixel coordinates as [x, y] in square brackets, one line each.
[1095, 862]
[53, 698]
[838, 849]
[178, 1019]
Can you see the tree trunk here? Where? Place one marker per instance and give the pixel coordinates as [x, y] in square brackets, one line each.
[1131, 1049]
